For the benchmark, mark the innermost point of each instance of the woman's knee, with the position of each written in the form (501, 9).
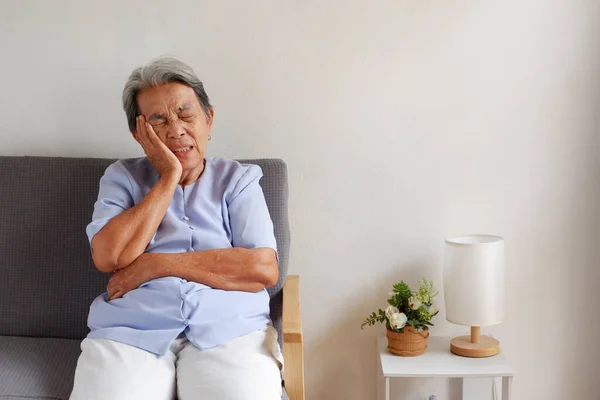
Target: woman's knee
(245, 368)
(111, 370)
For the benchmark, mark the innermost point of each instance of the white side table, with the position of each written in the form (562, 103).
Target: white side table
(439, 362)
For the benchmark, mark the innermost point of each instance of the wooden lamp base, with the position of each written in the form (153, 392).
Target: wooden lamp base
(475, 346)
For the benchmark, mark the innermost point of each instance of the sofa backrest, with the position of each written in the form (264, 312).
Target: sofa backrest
(47, 278)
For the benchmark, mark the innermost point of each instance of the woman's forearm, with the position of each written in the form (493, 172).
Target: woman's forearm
(227, 269)
(125, 237)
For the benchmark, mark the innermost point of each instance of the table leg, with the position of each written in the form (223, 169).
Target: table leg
(381, 381)
(506, 387)
(387, 388)
(456, 388)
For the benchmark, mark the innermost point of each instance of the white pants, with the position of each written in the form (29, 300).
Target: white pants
(246, 368)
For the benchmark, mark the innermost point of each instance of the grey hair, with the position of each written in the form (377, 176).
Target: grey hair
(161, 71)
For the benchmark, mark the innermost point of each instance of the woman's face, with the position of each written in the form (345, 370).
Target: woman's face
(176, 116)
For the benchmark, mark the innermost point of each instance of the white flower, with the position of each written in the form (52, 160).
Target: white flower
(433, 310)
(398, 321)
(391, 310)
(414, 303)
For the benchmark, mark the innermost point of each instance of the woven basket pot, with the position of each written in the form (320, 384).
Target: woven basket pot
(408, 343)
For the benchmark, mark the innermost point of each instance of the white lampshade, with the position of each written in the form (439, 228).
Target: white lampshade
(474, 280)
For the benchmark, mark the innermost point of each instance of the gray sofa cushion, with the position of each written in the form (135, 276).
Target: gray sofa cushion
(48, 279)
(37, 368)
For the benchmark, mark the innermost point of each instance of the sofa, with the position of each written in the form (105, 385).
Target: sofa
(48, 280)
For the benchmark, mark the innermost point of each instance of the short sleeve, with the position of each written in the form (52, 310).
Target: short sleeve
(114, 197)
(249, 218)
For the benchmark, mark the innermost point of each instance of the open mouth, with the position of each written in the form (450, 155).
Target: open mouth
(182, 151)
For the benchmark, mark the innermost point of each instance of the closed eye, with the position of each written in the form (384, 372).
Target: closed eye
(186, 117)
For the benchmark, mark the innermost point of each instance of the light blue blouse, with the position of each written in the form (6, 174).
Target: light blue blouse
(225, 208)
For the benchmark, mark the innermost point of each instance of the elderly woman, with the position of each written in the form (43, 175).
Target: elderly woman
(190, 245)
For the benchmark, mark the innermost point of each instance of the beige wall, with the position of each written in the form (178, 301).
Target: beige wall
(402, 122)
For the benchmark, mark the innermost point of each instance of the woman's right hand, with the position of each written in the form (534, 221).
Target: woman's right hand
(163, 159)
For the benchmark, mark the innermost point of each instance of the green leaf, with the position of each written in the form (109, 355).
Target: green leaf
(403, 290)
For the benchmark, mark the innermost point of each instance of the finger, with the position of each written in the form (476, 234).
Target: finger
(114, 290)
(138, 126)
(116, 295)
(142, 133)
(151, 134)
(110, 288)
(113, 285)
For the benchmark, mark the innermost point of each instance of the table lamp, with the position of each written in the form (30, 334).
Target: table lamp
(474, 290)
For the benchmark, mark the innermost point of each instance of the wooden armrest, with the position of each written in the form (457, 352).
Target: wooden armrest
(292, 317)
(292, 339)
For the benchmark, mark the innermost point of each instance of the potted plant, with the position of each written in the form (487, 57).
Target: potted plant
(407, 318)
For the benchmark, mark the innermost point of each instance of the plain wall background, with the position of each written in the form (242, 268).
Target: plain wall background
(402, 122)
